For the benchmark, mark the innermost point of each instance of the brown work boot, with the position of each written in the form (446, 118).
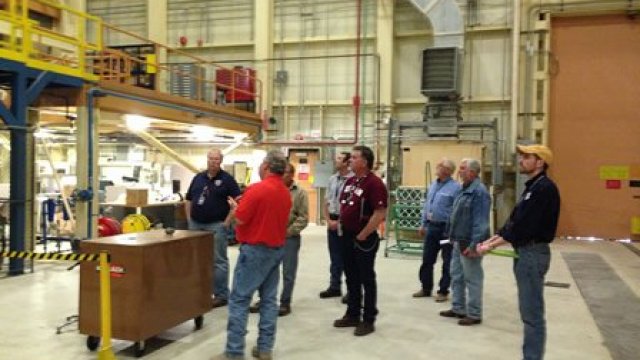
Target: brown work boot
(451, 314)
(329, 293)
(284, 310)
(346, 321)
(255, 308)
(421, 293)
(261, 355)
(364, 328)
(441, 297)
(467, 321)
(217, 302)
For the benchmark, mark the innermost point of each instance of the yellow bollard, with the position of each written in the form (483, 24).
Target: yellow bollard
(105, 352)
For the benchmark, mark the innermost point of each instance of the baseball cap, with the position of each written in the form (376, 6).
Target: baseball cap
(540, 151)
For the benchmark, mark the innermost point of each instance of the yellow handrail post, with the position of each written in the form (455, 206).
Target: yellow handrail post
(26, 30)
(80, 28)
(12, 37)
(105, 352)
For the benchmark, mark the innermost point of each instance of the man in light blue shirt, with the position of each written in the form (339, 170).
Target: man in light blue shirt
(436, 214)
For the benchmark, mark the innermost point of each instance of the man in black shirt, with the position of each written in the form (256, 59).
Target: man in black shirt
(530, 228)
(207, 209)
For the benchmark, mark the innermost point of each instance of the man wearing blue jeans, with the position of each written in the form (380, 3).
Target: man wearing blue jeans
(261, 225)
(435, 218)
(207, 209)
(469, 225)
(331, 210)
(298, 220)
(531, 227)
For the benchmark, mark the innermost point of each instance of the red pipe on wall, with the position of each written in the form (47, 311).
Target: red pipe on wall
(355, 100)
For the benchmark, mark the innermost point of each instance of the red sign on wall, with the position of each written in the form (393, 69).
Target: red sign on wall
(613, 184)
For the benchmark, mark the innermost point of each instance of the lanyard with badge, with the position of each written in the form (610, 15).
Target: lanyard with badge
(203, 195)
(527, 195)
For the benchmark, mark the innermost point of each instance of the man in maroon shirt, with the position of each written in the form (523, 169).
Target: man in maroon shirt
(363, 206)
(261, 226)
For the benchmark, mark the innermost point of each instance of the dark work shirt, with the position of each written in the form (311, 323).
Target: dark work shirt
(535, 217)
(360, 197)
(208, 196)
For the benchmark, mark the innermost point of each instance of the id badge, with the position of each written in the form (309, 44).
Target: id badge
(201, 200)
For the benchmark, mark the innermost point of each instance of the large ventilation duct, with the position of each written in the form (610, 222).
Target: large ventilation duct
(446, 21)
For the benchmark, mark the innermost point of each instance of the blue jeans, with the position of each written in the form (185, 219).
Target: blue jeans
(466, 276)
(431, 247)
(336, 268)
(289, 268)
(221, 262)
(257, 269)
(530, 268)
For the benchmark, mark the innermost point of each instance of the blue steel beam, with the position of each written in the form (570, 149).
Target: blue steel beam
(18, 190)
(22, 95)
(6, 115)
(36, 87)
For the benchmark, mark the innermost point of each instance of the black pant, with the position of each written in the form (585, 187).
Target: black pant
(435, 233)
(359, 261)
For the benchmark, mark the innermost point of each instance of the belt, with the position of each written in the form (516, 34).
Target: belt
(334, 216)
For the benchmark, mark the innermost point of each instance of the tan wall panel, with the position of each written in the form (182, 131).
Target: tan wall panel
(594, 121)
(416, 156)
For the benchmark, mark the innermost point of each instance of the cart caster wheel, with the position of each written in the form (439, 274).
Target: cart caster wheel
(93, 342)
(199, 320)
(139, 348)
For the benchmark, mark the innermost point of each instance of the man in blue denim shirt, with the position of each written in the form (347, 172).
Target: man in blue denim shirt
(469, 225)
(435, 217)
(530, 228)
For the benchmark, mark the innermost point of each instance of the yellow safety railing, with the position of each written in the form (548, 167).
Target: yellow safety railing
(25, 40)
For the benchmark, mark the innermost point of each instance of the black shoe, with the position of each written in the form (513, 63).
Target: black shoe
(346, 321)
(255, 308)
(365, 328)
(329, 293)
(345, 298)
(217, 302)
(451, 314)
(467, 321)
(284, 310)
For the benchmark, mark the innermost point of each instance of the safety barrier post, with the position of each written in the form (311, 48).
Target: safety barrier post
(105, 352)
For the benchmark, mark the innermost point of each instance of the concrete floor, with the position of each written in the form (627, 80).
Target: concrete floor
(34, 304)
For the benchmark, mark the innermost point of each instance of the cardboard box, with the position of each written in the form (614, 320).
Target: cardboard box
(137, 197)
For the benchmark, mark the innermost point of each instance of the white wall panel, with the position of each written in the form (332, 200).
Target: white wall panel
(487, 63)
(130, 15)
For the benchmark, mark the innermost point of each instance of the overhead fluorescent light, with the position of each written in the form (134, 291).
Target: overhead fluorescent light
(137, 122)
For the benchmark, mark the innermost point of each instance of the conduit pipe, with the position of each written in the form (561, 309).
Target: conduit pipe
(99, 92)
(356, 98)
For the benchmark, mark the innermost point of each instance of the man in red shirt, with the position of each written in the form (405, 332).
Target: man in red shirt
(363, 206)
(261, 226)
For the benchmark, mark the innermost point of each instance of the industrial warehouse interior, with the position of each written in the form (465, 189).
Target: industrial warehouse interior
(113, 109)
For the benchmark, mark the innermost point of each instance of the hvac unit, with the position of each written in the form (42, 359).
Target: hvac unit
(441, 72)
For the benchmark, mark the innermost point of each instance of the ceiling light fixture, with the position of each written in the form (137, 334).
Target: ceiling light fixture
(137, 122)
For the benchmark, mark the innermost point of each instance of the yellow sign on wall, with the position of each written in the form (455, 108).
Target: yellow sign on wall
(614, 172)
(635, 225)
